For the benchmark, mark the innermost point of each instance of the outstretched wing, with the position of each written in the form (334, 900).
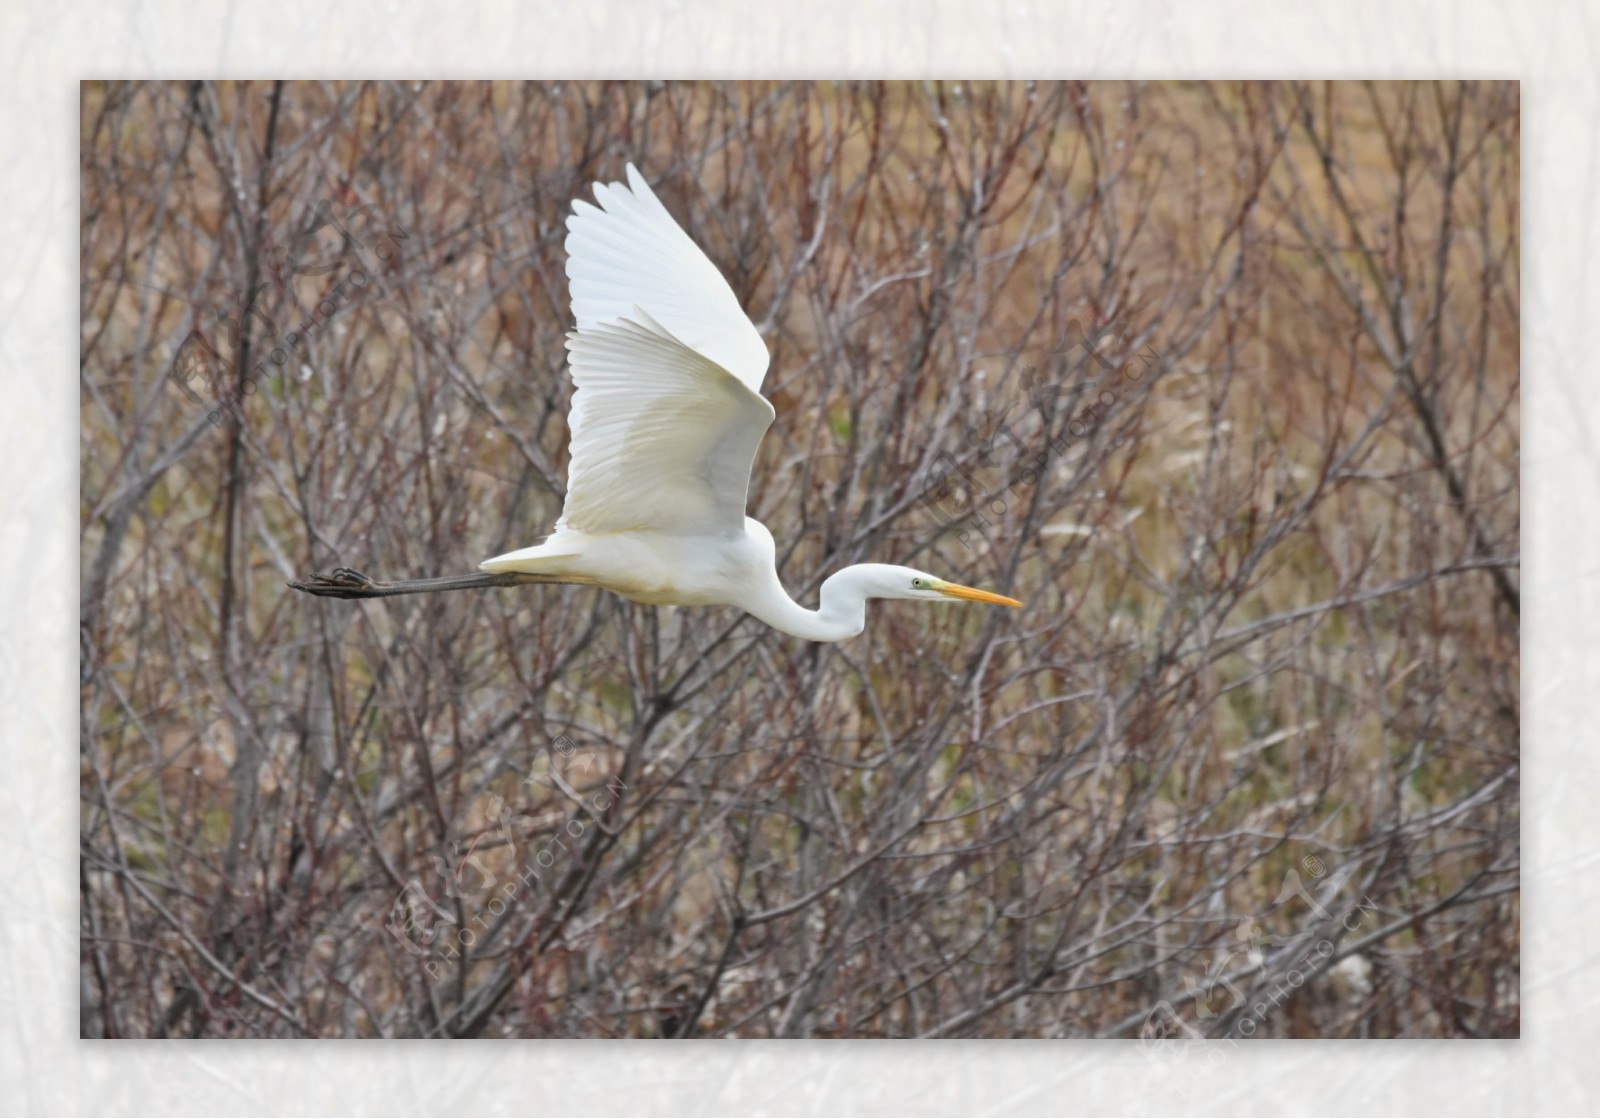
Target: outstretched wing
(668, 413)
(628, 253)
(662, 437)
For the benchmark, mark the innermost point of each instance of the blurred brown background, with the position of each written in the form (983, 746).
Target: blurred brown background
(1222, 380)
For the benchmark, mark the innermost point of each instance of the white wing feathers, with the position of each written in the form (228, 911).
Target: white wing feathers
(628, 253)
(668, 413)
(662, 438)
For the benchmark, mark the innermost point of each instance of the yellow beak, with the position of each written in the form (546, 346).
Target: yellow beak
(956, 590)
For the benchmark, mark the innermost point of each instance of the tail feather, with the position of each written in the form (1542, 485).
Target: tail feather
(541, 559)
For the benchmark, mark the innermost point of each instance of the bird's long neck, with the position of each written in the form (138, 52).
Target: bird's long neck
(843, 611)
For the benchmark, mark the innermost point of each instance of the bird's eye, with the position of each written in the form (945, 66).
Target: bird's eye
(916, 582)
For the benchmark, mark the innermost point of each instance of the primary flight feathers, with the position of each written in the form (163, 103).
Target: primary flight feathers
(629, 253)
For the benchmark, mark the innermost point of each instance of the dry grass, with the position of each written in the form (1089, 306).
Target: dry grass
(1247, 764)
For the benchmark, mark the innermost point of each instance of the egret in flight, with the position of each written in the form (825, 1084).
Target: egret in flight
(666, 418)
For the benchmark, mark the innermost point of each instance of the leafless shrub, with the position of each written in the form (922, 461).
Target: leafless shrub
(1221, 380)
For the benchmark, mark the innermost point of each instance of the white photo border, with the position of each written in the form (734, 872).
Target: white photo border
(1554, 49)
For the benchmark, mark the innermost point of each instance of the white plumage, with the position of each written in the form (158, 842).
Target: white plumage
(666, 418)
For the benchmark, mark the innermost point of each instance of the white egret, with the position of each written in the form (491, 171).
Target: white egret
(665, 422)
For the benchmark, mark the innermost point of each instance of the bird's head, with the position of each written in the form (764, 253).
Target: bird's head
(887, 580)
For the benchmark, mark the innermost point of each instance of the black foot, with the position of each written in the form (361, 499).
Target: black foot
(341, 582)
